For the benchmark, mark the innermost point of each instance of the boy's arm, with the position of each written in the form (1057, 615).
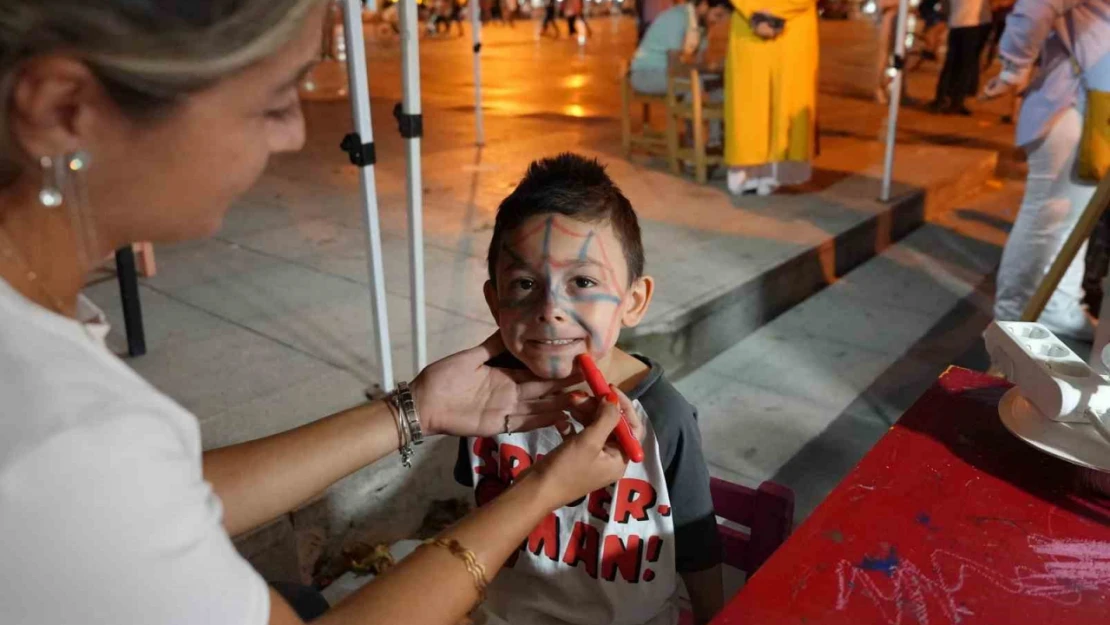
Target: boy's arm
(697, 544)
(707, 594)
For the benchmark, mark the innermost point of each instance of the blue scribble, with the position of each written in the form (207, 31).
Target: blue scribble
(886, 565)
(596, 297)
(582, 253)
(595, 338)
(923, 519)
(547, 237)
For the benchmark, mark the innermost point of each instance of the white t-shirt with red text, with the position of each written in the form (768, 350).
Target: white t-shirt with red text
(610, 557)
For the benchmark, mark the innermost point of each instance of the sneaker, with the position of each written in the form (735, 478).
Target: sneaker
(765, 186)
(937, 106)
(737, 181)
(960, 109)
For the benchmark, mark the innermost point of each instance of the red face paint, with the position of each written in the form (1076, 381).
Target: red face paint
(623, 432)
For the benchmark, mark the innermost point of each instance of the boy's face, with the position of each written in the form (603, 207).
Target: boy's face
(562, 289)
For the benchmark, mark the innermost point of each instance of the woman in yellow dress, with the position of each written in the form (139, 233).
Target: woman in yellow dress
(770, 94)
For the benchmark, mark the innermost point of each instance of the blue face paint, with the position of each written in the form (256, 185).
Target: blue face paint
(582, 253)
(595, 338)
(596, 297)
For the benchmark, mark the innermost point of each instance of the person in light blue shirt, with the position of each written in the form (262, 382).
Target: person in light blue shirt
(1072, 40)
(680, 28)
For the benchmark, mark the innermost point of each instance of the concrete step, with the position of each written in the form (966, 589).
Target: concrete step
(803, 398)
(837, 225)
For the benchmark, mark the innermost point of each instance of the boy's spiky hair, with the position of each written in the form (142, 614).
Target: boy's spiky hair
(577, 187)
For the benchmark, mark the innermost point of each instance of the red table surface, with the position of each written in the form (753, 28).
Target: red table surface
(949, 519)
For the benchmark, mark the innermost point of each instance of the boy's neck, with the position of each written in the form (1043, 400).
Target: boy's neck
(623, 370)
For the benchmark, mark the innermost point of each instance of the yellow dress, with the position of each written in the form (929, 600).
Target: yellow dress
(771, 86)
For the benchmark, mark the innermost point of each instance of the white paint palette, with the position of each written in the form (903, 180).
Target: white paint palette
(1052, 377)
(1077, 443)
(1060, 403)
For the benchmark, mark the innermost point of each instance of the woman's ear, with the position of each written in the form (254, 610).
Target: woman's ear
(490, 291)
(639, 298)
(53, 102)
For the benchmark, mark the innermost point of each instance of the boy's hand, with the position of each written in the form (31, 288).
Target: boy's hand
(461, 395)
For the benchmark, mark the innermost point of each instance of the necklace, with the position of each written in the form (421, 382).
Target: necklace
(9, 253)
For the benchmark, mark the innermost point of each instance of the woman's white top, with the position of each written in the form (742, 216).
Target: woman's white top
(105, 516)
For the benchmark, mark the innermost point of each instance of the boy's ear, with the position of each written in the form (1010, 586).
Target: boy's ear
(639, 296)
(490, 291)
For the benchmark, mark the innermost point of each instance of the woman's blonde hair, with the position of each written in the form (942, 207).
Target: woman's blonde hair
(148, 53)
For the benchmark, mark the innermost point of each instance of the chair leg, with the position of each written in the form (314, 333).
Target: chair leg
(129, 294)
(700, 166)
(144, 257)
(672, 142)
(626, 117)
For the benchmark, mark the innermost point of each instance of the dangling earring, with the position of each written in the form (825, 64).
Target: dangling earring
(50, 195)
(72, 170)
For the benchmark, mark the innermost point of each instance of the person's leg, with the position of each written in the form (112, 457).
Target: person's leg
(982, 36)
(1048, 213)
(944, 83)
(961, 51)
(1096, 264)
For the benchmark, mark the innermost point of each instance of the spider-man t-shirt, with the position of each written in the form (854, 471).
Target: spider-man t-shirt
(614, 555)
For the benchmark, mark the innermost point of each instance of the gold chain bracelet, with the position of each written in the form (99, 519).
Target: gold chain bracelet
(477, 571)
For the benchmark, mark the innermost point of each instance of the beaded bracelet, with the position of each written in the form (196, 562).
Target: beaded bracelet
(477, 571)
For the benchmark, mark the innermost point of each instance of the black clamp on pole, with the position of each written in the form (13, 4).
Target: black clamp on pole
(477, 47)
(899, 62)
(411, 126)
(361, 154)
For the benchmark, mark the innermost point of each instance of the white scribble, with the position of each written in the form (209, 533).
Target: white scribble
(1070, 567)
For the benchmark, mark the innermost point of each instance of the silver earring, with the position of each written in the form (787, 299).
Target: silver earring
(77, 161)
(50, 195)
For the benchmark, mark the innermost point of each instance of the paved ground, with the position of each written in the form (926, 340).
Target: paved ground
(267, 326)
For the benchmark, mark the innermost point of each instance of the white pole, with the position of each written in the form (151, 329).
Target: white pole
(360, 112)
(412, 128)
(895, 97)
(476, 37)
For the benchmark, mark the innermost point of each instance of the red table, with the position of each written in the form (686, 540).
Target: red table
(949, 519)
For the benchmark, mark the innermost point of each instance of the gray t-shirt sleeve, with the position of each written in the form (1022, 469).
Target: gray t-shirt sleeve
(697, 544)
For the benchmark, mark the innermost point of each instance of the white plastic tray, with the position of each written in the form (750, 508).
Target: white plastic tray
(1077, 443)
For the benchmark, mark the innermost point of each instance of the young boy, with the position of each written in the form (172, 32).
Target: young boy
(566, 273)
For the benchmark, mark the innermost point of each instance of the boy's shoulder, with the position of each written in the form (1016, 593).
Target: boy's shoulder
(665, 406)
(673, 419)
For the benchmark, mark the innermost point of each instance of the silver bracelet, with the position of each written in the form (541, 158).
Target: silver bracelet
(408, 422)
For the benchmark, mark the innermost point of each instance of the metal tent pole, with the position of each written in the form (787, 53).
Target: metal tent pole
(895, 97)
(476, 37)
(359, 145)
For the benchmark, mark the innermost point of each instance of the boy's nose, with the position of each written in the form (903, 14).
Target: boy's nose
(551, 311)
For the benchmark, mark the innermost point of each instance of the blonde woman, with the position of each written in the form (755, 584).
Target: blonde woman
(130, 120)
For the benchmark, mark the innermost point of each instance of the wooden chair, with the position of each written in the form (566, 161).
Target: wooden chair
(767, 512)
(687, 102)
(650, 141)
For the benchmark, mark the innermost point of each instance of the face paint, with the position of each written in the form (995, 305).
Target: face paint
(558, 294)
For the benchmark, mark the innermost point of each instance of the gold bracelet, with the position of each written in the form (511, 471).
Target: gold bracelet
(477, 571)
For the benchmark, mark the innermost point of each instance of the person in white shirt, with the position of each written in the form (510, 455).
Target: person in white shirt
(130, 120)
(969, 27)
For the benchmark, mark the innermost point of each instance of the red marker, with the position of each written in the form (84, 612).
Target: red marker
(625, 438)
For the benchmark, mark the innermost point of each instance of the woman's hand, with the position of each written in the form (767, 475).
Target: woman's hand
(762, 28)
(1012, 79)
(590, 459)
(461, 395)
